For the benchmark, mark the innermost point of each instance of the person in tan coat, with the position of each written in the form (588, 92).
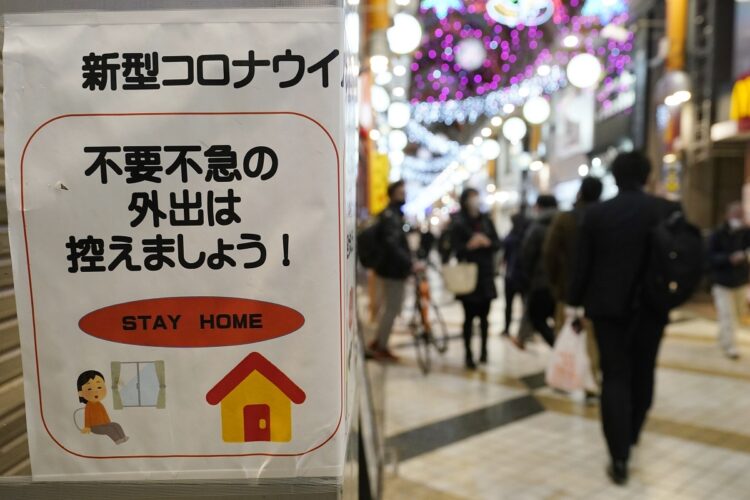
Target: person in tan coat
(558, 254)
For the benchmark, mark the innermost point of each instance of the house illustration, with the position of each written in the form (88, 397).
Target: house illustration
(256, 402)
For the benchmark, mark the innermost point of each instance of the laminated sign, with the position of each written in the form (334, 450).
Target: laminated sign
(177, 196)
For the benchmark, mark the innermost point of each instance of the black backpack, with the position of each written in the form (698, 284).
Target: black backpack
(675, 263)
(369, 245)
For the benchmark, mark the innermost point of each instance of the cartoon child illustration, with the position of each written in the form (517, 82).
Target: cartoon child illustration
(92, 390)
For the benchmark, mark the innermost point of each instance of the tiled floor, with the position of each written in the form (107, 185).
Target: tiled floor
(556, 456)
(408, 405)
(713, 401)
(499, 433)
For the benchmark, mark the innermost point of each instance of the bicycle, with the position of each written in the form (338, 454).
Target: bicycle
(428, 330)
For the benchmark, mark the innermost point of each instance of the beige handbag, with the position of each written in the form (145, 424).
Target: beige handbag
(460, 277)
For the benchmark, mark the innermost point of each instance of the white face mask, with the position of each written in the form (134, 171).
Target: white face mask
(473, 204)
(735, 224)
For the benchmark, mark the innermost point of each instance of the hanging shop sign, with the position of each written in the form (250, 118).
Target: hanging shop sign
(178, 215)
(574, 123)
(740, 104)
(378, 181)
(672, 179)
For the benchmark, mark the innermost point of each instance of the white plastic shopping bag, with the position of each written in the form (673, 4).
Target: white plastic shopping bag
(569, 368)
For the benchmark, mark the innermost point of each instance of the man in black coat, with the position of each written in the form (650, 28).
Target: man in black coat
(609, 273)
(393, 268)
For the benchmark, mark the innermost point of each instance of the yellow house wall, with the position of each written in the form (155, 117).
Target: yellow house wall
(256, 389)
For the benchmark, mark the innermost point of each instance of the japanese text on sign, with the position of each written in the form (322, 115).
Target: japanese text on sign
(140, 164)
(140, 71)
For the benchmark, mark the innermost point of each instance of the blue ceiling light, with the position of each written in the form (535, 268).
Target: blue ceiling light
(605, 10)
(441, 7)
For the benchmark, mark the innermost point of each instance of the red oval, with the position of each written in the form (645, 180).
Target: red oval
(192, 322)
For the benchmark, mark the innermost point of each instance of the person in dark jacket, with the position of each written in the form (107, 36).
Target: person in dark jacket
(559, 246)
(392, 270)
(474, 239)
(559, 257)
(730, 271)
(611, 258)
(515, 281)
(427, 242)
(540, 304)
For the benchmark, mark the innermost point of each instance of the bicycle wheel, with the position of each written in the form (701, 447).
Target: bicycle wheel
(439, 330)
(422, 345)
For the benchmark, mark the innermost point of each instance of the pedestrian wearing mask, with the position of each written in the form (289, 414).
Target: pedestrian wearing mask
(392, 270)
(474, 239)
(731, 273)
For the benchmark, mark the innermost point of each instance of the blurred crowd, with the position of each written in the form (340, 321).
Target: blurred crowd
(604, 276)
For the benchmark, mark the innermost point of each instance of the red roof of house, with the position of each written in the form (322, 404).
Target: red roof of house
(252, 362)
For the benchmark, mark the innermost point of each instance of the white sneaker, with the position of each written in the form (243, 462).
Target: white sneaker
(732, 353)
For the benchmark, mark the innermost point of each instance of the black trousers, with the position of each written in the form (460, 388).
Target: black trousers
(510, 294)
(476, 309)
(541, 309)
(628, 349)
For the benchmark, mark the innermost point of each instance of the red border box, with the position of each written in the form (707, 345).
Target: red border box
(31, 289)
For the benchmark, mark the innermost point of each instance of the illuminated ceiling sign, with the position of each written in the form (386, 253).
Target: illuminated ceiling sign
(527, 12)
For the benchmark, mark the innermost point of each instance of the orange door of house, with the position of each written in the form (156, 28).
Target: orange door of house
(257, 423)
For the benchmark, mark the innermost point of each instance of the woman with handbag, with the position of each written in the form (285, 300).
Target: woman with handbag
(474, 240)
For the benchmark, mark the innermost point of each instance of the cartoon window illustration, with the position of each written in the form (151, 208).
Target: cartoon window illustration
(138, 384)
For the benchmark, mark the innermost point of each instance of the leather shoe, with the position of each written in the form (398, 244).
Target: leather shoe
(618, 472)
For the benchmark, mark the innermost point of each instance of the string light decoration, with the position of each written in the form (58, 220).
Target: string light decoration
(438, 144)
(616, 95)
(473, 158)
(470, 54)
(426, 169)
(512, 53)
(537, 110)
(584, 70)
(398, 114)
(521, 63)
(515, 129)
(473, 108)
(438, 74)
(405, 34)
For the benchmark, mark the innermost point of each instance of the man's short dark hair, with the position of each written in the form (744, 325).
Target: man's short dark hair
(546, 201)
(631, 170)
(393, 186)
(591, 189)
